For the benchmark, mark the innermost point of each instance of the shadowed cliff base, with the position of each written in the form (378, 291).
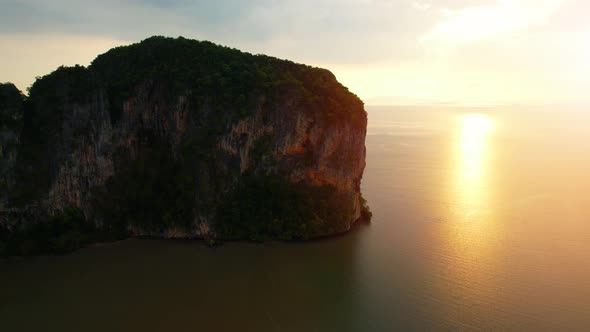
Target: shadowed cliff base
(178, 138)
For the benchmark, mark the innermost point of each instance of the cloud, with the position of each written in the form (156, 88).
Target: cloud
(472, 24)
(421, 5)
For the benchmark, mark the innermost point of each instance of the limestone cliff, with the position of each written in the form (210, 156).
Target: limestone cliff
(179, 138)
(11, 111)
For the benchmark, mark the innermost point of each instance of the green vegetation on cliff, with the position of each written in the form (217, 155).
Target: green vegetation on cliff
(221, 76)
(153, 192)
(61, 233)
(11, 100)
(263, 207)
(11, 113)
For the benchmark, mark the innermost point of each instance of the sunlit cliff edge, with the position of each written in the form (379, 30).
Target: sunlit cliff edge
(178, 138)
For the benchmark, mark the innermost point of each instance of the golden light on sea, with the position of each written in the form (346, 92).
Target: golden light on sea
(471, 181)
(475, 129)
(471, 227)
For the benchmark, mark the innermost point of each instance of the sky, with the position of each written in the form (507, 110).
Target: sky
(389, 52)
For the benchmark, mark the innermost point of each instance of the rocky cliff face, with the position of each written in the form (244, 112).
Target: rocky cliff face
(222, 144)
(11, 112)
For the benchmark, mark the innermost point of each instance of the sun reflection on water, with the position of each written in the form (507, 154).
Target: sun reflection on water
(472, 227)
(472, 172)
(472, 231)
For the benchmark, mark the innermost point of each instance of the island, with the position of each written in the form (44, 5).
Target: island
(178, 138)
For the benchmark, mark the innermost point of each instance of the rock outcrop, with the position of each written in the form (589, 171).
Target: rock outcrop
(179, 138)
(11, 113)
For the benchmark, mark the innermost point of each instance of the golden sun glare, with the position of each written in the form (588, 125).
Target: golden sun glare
(474, 131)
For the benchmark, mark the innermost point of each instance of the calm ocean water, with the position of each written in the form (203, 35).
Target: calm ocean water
(481, 222)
